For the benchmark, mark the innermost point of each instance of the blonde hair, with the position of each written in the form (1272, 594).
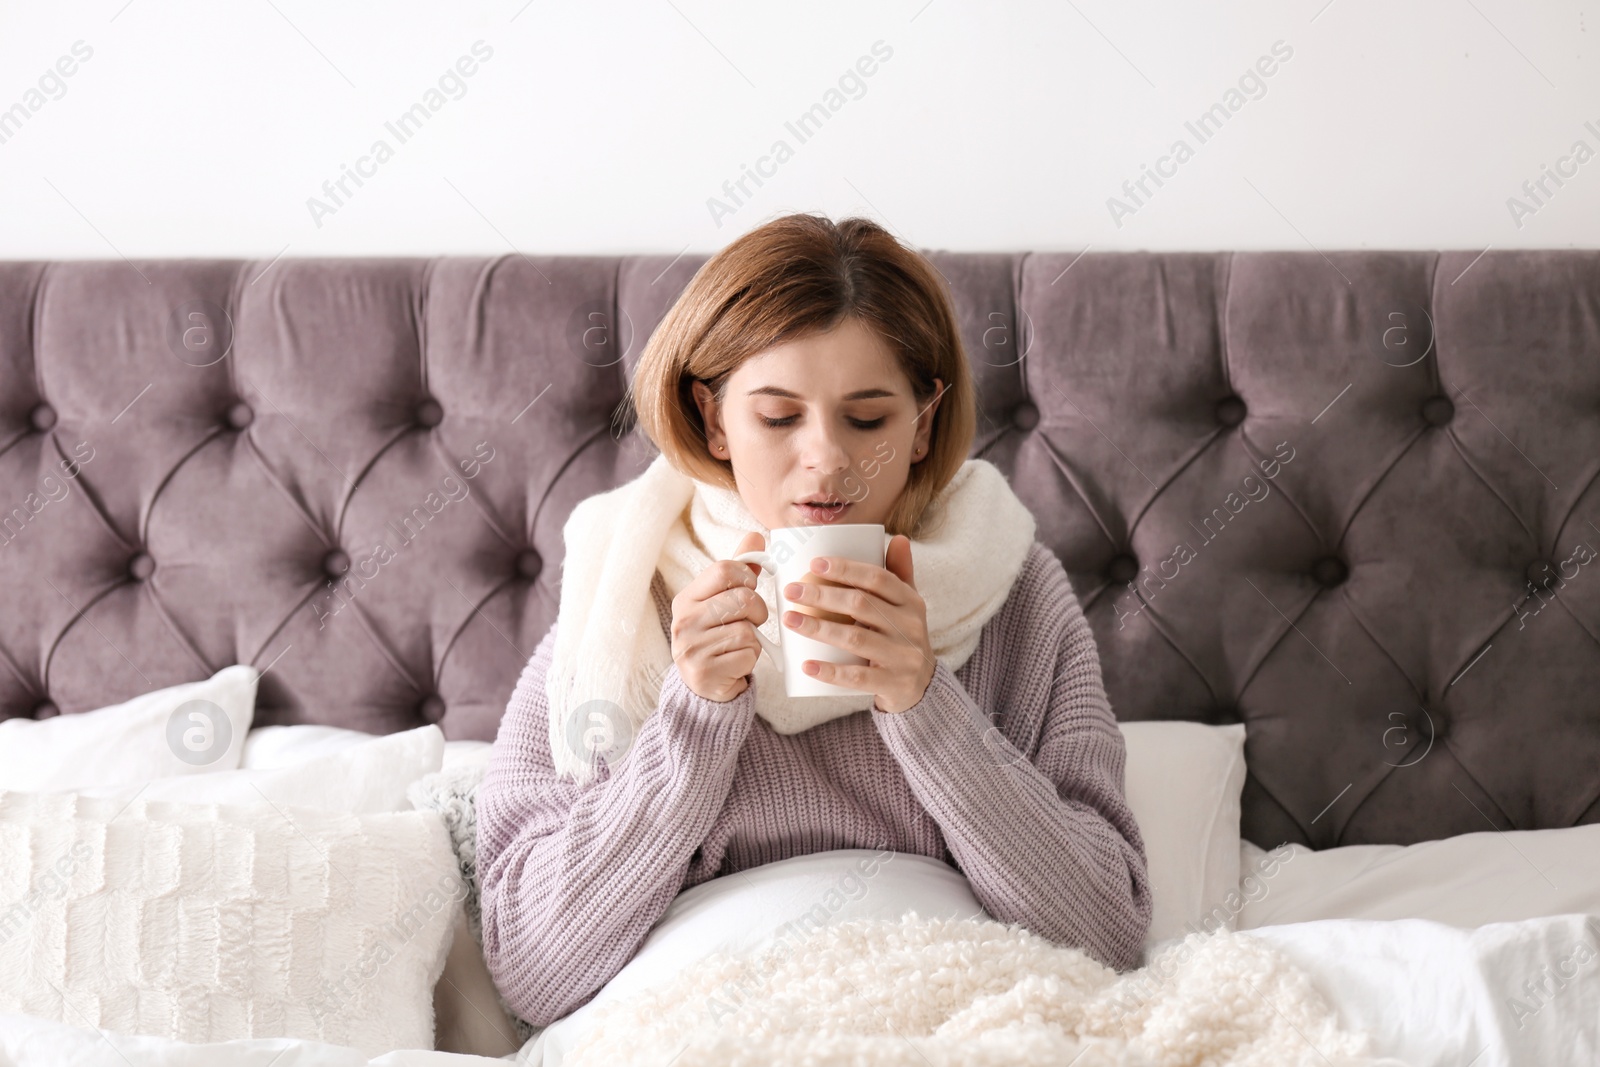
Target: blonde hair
(795, 276)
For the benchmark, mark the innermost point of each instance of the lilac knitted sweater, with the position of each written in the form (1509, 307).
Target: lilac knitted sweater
(1010, 769)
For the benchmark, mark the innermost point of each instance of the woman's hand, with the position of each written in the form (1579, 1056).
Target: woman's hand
(714, 620)
(890, 630)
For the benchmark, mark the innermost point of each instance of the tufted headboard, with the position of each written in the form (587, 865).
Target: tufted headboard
(1351, 500)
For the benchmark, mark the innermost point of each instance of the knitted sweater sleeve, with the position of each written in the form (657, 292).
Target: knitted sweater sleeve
(572, 877)
(1034, 812)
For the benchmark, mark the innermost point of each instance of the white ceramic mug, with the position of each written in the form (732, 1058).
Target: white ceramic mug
(788, 559)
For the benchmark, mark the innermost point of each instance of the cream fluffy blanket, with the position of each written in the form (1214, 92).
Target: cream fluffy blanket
(936, 992)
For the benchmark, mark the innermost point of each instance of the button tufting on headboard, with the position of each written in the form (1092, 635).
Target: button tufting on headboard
(1542, 573)
(1230, 411)
(1329, 571)
(429, 412)
(529, 564)
(1438, 410)
(42, 417)
(1412, 735)
(1122, 569)
(1225, 715)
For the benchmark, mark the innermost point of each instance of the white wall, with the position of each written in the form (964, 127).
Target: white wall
(203, 128)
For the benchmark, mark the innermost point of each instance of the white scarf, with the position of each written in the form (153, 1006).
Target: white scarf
(978, 536)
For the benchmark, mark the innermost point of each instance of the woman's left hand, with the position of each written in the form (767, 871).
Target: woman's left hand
(890, 630)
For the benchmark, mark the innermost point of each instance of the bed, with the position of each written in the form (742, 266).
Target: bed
(1336, 512)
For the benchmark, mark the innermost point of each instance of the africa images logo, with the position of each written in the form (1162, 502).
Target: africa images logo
(199, 732)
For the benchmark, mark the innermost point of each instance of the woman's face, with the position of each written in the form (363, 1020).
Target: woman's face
(828, 418)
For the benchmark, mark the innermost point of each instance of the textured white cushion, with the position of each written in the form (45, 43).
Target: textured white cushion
(133, 742)
(203, 922)
(367, 777)
(1183, 782)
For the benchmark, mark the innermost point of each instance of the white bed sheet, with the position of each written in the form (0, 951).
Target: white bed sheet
(1494, 876)
(1517, 994)
(29, 1042)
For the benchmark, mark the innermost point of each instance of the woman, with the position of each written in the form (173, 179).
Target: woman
(810, 373)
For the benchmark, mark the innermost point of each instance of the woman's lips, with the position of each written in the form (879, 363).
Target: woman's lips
(823, 514)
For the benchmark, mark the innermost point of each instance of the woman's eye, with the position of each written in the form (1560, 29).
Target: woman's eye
(859, 424)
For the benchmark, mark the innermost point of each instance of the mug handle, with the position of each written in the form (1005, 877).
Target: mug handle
(764, 560)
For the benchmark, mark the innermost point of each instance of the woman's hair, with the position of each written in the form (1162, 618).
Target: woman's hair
(790, 278)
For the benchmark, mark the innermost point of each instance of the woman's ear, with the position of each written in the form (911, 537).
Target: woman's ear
(711, 418)
(924, 431)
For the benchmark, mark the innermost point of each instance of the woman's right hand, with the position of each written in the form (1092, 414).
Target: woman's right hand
(714, 620)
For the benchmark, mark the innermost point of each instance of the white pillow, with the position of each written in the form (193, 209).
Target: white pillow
(1183, 781)
(203, 922)
(1469, 880)
(270, 747)
(767, 904)
(462, 753)
(181, 730)
(367, 777)
(288, 746)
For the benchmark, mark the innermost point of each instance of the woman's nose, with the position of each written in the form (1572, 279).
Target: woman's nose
(824, 452)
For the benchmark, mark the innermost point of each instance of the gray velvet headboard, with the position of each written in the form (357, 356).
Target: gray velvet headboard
(1351, 500)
